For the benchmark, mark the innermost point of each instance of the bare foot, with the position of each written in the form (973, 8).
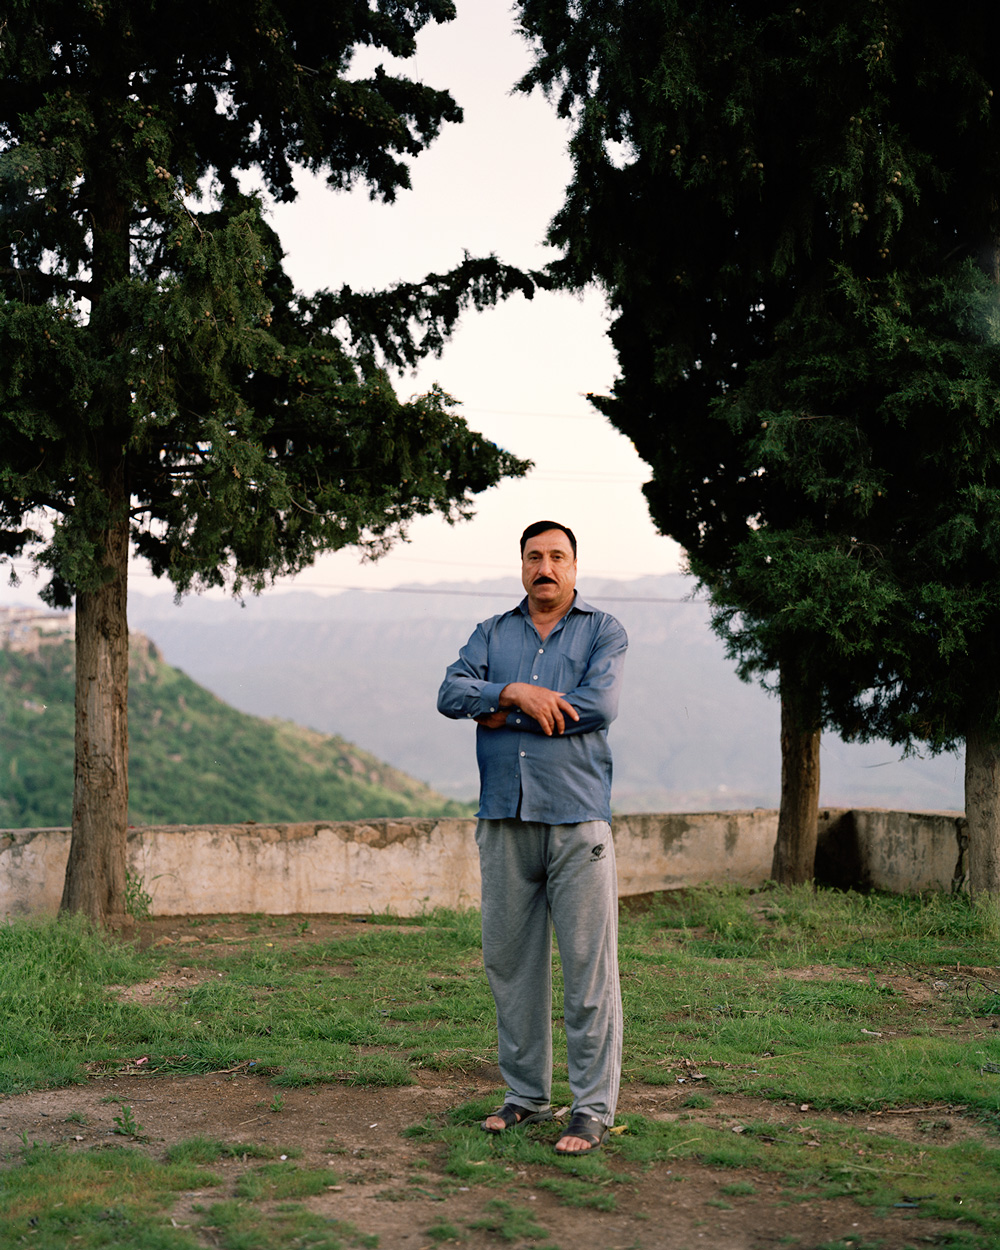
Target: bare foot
(582, 1134)
(511, 1115)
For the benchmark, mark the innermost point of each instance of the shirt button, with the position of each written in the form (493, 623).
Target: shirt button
(534, 676)
(517, 720)
(541, 650)
(522, 755)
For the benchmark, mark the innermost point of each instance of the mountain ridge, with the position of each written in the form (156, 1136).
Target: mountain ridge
(690, 736)
(193, 758)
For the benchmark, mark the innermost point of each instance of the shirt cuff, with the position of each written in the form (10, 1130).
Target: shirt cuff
(489, 698)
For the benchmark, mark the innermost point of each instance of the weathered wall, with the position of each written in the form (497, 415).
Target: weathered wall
(900, 852)
(409, 866)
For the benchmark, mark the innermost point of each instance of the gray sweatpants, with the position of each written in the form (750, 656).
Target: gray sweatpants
(536, 877)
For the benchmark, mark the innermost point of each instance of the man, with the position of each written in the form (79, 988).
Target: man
(542, 682)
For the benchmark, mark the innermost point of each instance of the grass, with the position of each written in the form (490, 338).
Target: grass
(708, 976)
(714, 977)
(52, 1198)
(791, 996)
(508, 1222)
(88, 1199)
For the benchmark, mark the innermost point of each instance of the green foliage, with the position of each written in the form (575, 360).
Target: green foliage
(96, 1198)
(163, 388)
(203, 1151)
(105, 1197)
(138, 901)
(51, 977)
(192, 759)
(274, 1010)
(126, 1125)
(238, 1225)
(801, 1006)
(793, 214)
(821, 961)
(283, 1180)
(443, 1232)
(508, 1222)
(36, 710)
(146, 321)
(812, 1017)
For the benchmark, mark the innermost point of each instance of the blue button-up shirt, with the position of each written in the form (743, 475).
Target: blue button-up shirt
(559, 780)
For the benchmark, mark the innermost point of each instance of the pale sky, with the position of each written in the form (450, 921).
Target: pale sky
(520, 371)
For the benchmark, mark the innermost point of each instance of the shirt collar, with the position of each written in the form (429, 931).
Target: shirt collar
(578, 605)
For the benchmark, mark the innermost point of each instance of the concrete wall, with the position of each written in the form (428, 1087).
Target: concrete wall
(899, 852)
(409, 866)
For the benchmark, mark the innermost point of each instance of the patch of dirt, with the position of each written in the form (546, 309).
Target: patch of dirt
(395, 1187)
(391, 1186)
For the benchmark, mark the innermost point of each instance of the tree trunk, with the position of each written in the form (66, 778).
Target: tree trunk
(95, 874)
(982, 750)
(798, 820)
(982, 811)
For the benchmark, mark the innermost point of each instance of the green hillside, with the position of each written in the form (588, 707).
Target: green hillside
(193, 759)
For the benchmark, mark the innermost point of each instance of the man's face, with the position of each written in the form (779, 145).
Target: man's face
(548, 570)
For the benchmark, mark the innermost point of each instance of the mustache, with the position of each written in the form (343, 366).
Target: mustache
(544, 580)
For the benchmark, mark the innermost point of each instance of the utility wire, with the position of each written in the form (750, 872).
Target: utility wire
(490, 594)
(555, 416)
(447, 593)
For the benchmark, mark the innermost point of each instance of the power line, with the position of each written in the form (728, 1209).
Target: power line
(510, 412)
(588, 478)
(455, 593)
(489, 594)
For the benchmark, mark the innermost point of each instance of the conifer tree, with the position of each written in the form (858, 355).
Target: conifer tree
(793, 211)
(163, 388)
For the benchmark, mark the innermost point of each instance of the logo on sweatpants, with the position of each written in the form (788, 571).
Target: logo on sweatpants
(597, 852)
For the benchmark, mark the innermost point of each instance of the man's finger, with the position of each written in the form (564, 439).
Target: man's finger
(569, 708)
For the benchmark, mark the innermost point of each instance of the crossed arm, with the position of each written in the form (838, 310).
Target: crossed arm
(591, 703)
(548, 707)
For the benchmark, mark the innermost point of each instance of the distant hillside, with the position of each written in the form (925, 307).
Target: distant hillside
(194, 760)
(689, 737)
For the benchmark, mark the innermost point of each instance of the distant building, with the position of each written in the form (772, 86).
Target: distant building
(28, 629)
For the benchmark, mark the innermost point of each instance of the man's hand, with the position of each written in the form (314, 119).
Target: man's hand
(548, 707)
(495, 720)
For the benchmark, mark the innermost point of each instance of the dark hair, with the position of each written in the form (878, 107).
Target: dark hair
(540, 527)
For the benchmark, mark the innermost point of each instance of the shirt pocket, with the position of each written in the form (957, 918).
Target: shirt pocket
(569, 657)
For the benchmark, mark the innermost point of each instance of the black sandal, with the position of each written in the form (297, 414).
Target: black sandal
(588, 1129)
(514, 1116)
